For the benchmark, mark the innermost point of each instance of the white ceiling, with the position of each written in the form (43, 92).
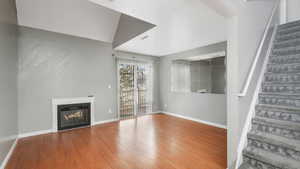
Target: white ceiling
(181, 24)
(74, 17)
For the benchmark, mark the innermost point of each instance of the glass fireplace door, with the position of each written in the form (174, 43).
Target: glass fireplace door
(135, 89)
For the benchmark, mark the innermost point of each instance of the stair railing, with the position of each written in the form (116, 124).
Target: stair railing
(247, 126)
(258, 53)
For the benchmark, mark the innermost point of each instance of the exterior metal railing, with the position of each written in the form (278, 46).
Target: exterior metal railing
(127, 103)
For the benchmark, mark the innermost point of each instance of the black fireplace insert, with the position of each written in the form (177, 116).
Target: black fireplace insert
(73, 116)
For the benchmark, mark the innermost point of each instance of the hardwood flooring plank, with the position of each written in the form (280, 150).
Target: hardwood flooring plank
(148, 142)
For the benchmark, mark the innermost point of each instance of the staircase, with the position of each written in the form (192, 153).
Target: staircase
(274, 140)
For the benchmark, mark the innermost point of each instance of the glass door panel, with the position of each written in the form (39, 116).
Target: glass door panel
(144, 88)
(135, 89)
(126, 105)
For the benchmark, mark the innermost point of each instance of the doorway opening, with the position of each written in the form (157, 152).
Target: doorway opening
(134, 88)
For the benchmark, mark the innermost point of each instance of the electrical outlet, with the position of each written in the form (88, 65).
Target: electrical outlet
(166, 105)
(109, 111)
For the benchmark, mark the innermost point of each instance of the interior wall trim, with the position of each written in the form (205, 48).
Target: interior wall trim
(12, 148)
(106, 121)
(41, 132)
(196, 120)
(35, 133)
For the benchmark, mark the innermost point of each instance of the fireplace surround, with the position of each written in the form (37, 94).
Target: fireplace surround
(70, 113)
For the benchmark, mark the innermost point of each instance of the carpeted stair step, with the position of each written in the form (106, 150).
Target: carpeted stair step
(282, 128)
(285, 31)
(286, 44)
(287, 37)
(246, 166)
(289, 24)
(281, 146)
(284, 68)
(292, 100)
(274, 139)
(282, 77)
(267, 160)
(278, 113)
(294, 50)
(285, 59)
(291, 88)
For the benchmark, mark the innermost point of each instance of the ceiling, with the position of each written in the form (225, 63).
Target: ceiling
(73, 17)
(180, 24)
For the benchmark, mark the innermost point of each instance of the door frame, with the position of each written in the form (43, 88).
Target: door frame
(135, 63)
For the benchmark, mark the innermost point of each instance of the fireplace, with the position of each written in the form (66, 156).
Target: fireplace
(73, 115)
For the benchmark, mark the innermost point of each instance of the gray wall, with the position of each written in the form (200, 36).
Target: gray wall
(194, 105)
(8, 76)
(293, 12)
(53, 65)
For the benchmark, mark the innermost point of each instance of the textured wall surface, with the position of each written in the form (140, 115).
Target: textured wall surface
(8, 76)
(194, 105)
(53, 65)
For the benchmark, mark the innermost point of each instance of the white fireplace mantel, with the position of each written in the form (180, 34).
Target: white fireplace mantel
(63, 101)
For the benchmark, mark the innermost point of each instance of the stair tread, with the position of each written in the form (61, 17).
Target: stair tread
(289, 24)
(282, 95)
(281, 108)
(287, 48)
(282, 73)
(283, 38)
(246, 166)
(279, 123)
(270, 158)
(286, 56)
(288, 108)
(286, 41)
(286, 30)
(283, 64)
(274, 139)
(281, 83)
(288, 95)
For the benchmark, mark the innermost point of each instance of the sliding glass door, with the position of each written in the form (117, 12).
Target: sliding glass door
(135, 88)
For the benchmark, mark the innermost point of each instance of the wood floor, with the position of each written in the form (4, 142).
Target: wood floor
(148, 142)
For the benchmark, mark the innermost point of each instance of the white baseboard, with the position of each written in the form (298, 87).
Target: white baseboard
(105, 121)
(6, 159)
(35, 133)
(196, 120)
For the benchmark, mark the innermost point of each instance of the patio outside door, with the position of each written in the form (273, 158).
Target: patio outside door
(135, 88)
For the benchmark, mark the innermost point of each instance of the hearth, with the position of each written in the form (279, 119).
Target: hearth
(73, 116)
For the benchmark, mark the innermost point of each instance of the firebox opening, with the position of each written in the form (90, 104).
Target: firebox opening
(73, 116)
